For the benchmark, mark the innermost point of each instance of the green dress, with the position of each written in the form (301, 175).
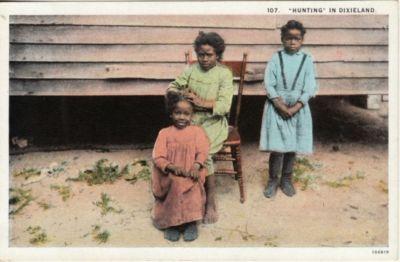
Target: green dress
(214, 84)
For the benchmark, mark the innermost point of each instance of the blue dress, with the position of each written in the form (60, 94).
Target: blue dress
(294, 134)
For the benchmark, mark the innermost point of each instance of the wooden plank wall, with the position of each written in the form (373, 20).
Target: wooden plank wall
(139, 55)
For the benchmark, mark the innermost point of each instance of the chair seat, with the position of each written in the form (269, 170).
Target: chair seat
(233, 137)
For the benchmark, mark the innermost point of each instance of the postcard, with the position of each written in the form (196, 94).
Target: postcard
(199, 130)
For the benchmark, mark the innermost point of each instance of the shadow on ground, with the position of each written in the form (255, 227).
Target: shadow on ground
(79, 122)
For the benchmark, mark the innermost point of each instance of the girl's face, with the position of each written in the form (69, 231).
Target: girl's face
(206, 57)
(292, 41)
(182, 114)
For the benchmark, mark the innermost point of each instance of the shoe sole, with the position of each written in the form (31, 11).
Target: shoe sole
(274, 194)
(189, 239)
(270, 196)
(172, 240)
(287, 194)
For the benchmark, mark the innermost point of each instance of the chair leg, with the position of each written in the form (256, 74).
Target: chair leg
(235, 162)
(239, 173)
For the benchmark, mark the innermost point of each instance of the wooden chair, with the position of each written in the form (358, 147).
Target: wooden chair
(231, 148)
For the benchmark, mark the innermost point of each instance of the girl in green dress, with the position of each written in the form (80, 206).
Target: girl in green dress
(287, 124)
(209, 86)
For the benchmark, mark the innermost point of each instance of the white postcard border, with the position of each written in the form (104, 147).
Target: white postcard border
(185, 8)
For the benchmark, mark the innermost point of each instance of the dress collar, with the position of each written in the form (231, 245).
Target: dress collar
(202, 70)
(297, 53)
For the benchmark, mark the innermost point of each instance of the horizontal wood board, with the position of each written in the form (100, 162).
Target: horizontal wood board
(138, 55)
(158, 87)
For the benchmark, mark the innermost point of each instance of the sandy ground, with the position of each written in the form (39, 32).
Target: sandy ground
(344, 204)
(321, 215)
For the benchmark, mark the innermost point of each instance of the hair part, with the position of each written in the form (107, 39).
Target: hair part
(292, 24)
(172, 99)
(212, 39)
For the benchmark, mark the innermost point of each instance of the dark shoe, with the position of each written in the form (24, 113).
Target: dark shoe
(190, 232)
(272, 186)
(172, 234)
(287, 186)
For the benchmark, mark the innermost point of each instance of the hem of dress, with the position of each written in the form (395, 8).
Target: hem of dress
(174, 224)
(280, 151)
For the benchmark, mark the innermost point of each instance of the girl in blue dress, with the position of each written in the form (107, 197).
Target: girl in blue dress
(287, 124)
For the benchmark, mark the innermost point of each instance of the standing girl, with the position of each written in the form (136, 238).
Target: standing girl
(178, 176)
(287, 124)
(209, 86)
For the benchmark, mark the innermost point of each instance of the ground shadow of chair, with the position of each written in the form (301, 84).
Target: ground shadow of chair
(231, 150)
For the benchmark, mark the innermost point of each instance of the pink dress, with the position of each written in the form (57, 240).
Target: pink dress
(178, 200)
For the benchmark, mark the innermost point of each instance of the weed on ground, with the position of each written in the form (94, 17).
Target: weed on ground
(27, 173)
(102, 172)
(139, 169)
(104, 205)
(302, 170)
(383, 186)
(55, 169)
(63, 191)
(19, 199)
(100, 237)
(38, 234)
(346, 180)
(44, 205)
(105, 172)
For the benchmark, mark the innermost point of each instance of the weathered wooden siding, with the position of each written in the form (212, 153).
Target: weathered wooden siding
(139, 55)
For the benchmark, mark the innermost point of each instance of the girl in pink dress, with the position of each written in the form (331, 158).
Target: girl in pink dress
(179, 173)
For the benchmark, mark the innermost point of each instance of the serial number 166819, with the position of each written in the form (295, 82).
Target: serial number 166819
(380, 251)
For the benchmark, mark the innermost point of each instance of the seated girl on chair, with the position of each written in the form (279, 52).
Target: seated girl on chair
(208, 85)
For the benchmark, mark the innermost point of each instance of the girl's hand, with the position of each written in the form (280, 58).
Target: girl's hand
(282, 108)
(194, 174)
(296, 108)
(197, 101)
(193, 98)
(176, 170)
(285, 113)
(194, 171)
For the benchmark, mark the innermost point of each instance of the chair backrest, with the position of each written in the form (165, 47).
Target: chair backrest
(238, 70)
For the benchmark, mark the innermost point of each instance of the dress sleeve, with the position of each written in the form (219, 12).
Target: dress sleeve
(181, 82)
(202, 146)
(160, 151)
(310, 84)
(271, 79)
(223, 101)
